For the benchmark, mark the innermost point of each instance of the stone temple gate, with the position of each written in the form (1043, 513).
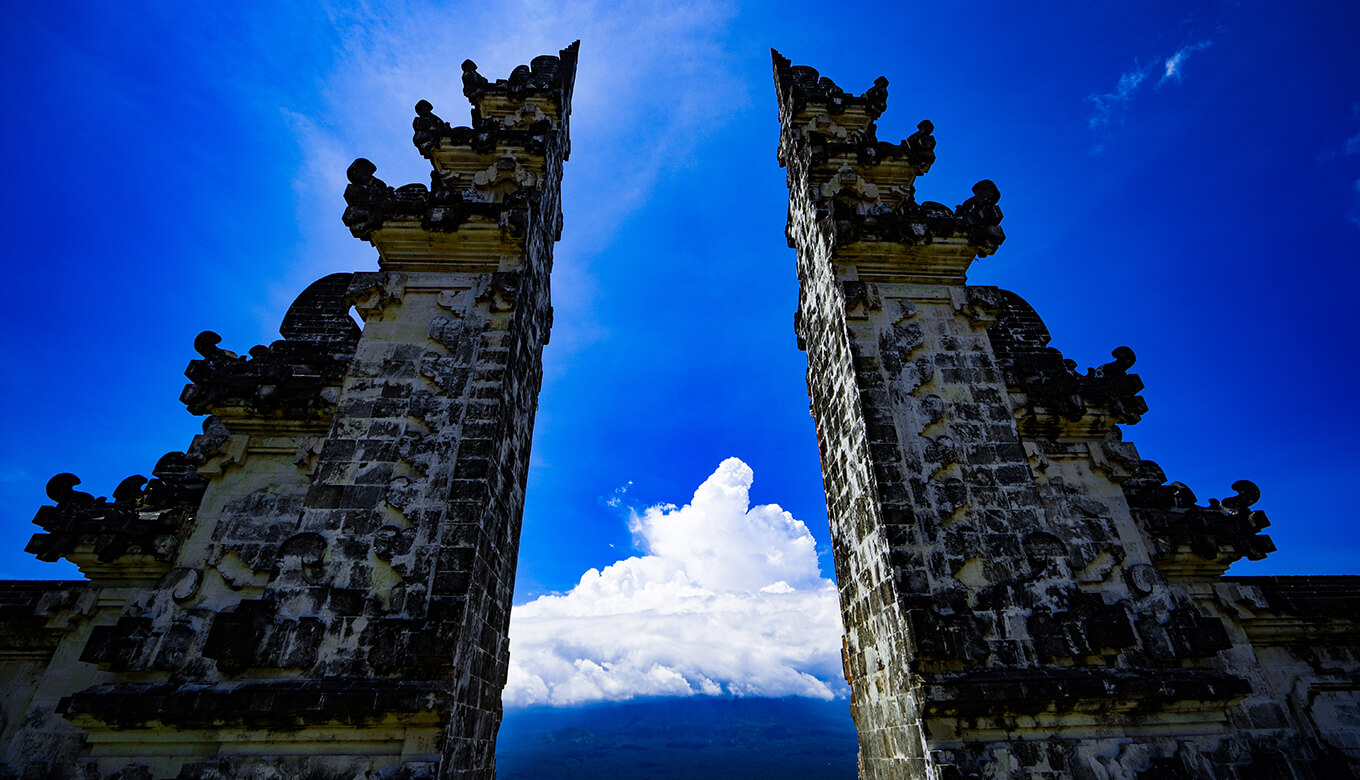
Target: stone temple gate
(320, 585)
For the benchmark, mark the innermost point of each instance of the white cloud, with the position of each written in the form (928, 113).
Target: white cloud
(728, 601)
(1108, 102)
(616, 500)
(1174, 62)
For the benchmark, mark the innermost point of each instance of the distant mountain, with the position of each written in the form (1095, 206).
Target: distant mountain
(665, 739)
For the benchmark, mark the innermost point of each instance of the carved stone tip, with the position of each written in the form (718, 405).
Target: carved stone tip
(360, 170)
(1247, 494)
(469, 66)
(206, 343)
(986, 190)
(1124, 357)
(424, 107)
(59, 487)
(130, 489)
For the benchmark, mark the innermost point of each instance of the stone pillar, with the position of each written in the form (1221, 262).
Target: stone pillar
(321, 586)
(1021, 594)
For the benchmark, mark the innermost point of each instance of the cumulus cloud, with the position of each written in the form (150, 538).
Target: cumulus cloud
(728, 600)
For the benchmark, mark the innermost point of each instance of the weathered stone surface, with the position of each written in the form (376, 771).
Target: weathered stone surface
(321, 588)
(1022, 595)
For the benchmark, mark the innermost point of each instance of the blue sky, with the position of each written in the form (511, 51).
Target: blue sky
(1183, 178)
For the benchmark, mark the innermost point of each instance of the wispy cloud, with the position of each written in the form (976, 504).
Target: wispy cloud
(653, 79)
(616, 500)
(1108, 103)
(1348, 148)
(14, 475)
(728, 601)
(1174, 63)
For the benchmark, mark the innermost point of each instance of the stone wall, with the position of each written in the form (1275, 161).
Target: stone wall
(1022, 594)
(321, 585)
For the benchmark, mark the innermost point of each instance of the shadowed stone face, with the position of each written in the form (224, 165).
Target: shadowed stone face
(1022, 595)
(321, 586)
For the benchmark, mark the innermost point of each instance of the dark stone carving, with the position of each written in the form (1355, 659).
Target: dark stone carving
(853, 217)
(251, 636)
(1048, 380)
(1034, 690)
(876, 97)
(265, 704)
(368, 198)
(371, 203)
(1331, 598)
(861, 298)
(916, 224)
(921, 145)
(139, 521)
(801, 85)
(336, 592)
(175, 482)
(979, 541)
(1186, 534)
(391, 542)
(983, 216)
(545, 77)
(428, 126)
(907, 223)
(297, 377)
(474, 83)
(310, 550)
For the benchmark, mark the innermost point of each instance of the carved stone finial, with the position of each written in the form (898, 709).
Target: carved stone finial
(876, 97)
(1124, 358)
(983, 216)
(426, 125)
(921, 145)
(206, 343)
(1247, 494)
(474, 83)
(361, 171)
(366, 197)
(982, 208)
(320, 313)
(129, 490)
(61, 489)
(294, 377)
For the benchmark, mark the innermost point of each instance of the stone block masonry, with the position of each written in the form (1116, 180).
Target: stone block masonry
(1023, 595)
(321, 586)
